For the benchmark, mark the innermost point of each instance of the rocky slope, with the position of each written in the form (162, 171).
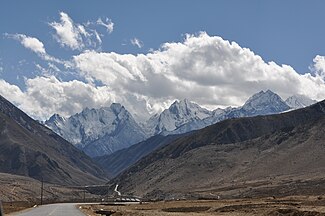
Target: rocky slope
(117, 162)
(271, 149)
(30, 149)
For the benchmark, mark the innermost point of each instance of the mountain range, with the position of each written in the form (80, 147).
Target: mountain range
(262, 103)
(28, 148)
(191, 150)
(272, 155)
(106, 130)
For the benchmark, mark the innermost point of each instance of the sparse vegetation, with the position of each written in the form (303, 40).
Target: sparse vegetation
(286, 206)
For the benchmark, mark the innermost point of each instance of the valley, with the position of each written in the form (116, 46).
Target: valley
(18, 193)
(239, 158)
(167, 108)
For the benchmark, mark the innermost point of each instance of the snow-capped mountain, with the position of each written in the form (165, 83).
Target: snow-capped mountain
(99, 131)
(178, 114)
(103, 131)
(261, 103)
(299, 101)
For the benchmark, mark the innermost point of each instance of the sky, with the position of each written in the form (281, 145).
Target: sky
(63, 56)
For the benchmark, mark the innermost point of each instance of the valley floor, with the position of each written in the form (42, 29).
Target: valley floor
(20, 192)
(287, 206)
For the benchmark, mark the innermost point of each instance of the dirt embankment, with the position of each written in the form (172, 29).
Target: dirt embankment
(288, 206)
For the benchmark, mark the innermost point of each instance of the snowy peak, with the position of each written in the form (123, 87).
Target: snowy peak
(262, 98)
(56, 119)
(263, 103)
(99, 131)
(102, 116)
(121, 112)
(187, 108)
(56, 122)
(299, 101)
(183, 116)
(117, 108)
(178, 114)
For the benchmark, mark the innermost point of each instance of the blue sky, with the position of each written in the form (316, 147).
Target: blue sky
(285, 32)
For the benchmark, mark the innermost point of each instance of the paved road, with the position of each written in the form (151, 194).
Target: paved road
(60, 209)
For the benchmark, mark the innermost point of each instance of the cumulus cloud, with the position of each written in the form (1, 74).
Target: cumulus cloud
(31, 43)
(47, 95)
(319, 66)
(136, 42)
(11, 92)
(205, 69)
(108, 24)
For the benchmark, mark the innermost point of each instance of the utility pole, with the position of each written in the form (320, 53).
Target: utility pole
(42, 187)
(107, 192)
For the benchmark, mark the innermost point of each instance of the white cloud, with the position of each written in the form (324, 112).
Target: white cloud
(208, 70)
(78, 36)
(109, 25)
(319, 66)
(136, 42)
(31, 43)
(112, 67)
(205, 69)
(47, 95)
(34, 45)
(97, 36)
(50, 70)
(67, 34)
(11, 92)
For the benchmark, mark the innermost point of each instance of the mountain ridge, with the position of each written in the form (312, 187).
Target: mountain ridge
(186, 163)
(98, 133)
(263, 102)
(30, 149)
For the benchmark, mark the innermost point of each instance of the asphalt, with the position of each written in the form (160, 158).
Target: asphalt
(59, 209)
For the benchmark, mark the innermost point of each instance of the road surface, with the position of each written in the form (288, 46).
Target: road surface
(59, 209)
